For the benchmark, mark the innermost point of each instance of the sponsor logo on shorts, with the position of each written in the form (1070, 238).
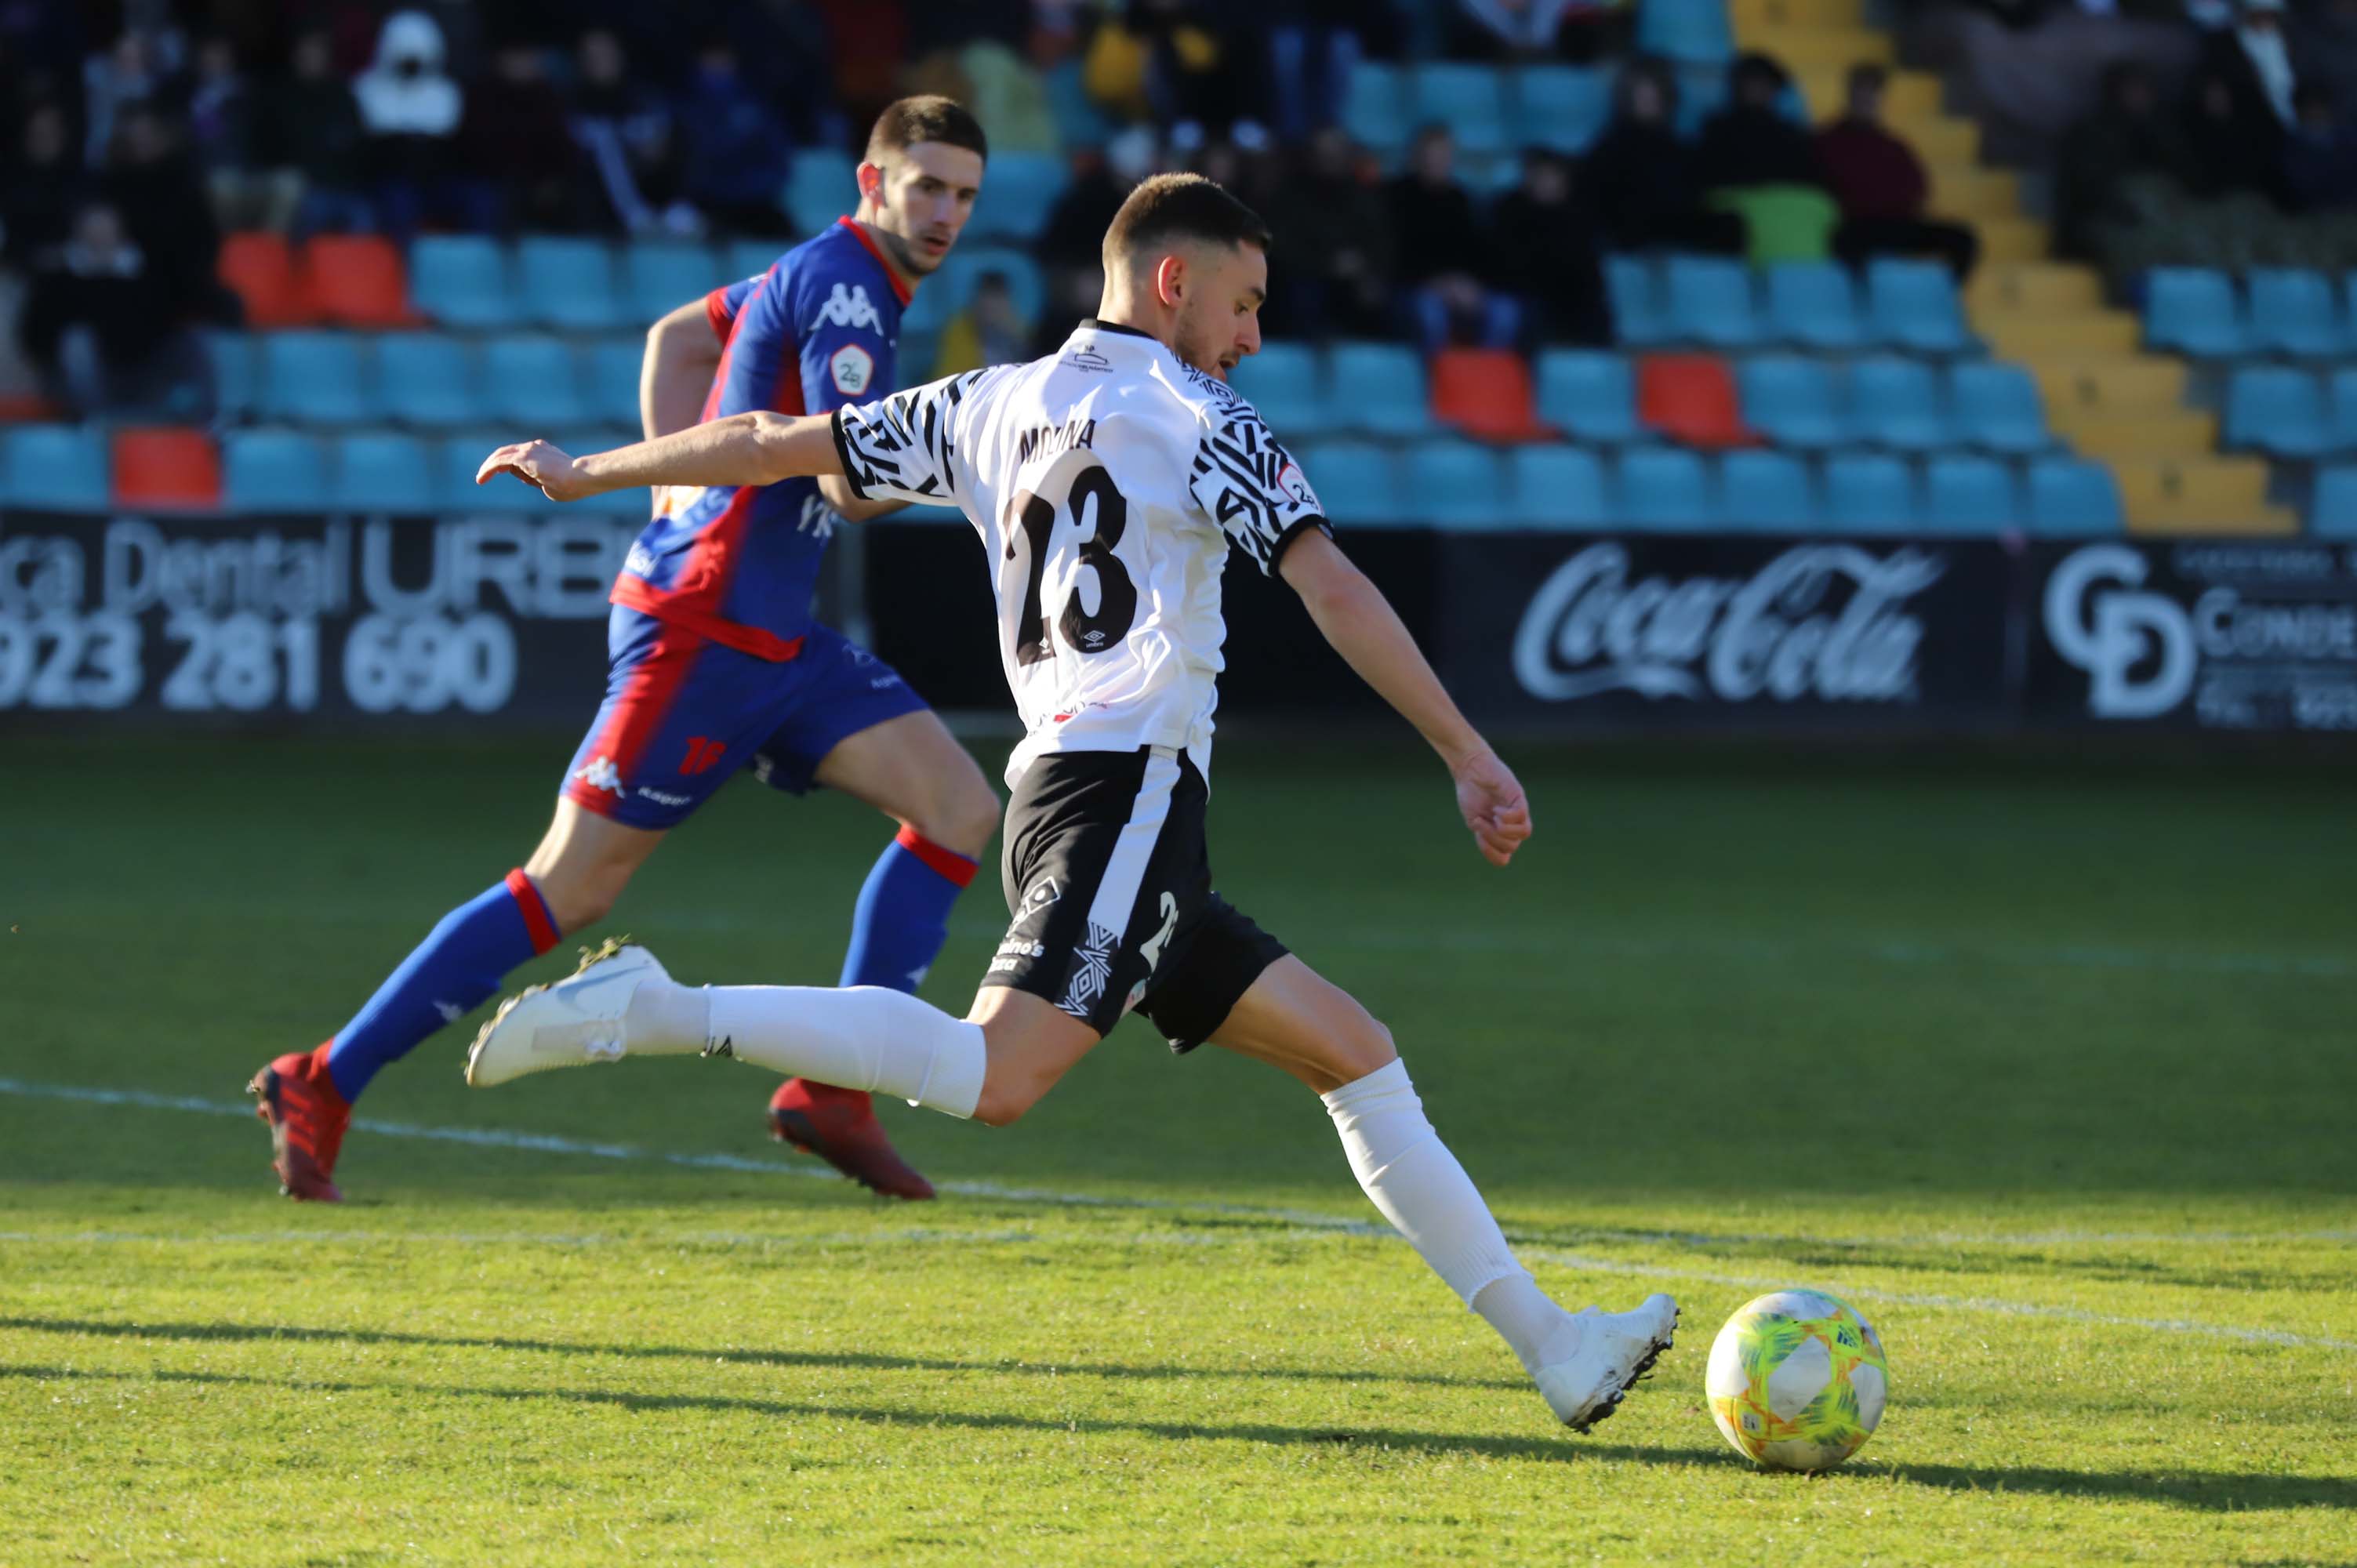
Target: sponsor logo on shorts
(662, 799)
(1092, 971)
(702, 751)
(1043, 893)
(600, 775)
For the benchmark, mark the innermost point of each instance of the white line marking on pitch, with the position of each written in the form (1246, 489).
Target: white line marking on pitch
(1305, 1222)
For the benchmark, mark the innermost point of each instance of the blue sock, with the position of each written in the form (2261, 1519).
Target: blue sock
(454, 968)
(903, 915)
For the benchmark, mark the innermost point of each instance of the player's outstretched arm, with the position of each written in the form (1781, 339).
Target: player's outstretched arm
(1360, 624)
(757, 449)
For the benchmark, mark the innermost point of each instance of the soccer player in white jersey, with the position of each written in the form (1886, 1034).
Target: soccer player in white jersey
(1109, 481)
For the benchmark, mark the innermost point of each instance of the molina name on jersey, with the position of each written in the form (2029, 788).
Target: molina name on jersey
(739, 563)
(1108, 481)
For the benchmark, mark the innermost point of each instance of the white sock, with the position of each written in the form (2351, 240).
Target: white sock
(860, 1036)
(1408, 1172)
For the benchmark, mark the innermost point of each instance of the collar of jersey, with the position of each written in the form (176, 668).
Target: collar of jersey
(1090, 324)
(903, 292)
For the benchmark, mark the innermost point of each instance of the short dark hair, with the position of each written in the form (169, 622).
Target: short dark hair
(929, 118)
(1181, 207)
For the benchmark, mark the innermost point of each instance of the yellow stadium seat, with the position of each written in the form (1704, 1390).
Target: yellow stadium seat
(2153, 434)
(2199, 495)
(2118, 384)
(2050, 286)
(2018, 335)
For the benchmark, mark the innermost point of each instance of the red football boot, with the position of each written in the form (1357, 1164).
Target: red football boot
(839, 1126)
(306, 1118)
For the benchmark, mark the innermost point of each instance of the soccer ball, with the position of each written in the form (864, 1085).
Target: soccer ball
(1797, 1380)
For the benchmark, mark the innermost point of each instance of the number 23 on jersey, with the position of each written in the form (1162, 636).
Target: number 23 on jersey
(1097, 513)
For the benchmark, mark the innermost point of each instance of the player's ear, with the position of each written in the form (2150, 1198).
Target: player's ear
(871, 183)
(1171, 279)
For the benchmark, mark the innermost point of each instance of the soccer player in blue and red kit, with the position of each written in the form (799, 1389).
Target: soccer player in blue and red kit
(716, 666)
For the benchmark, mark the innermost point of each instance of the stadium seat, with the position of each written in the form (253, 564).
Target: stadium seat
(1456, 484)
(1662, 487)
(1592, 394)
(54, 467)
(1554, 486)
(273, 470)
(1814, 304)
(821, 186)
(2193, 310)
(1486, 393)
(1895, 403)
(1767, 490)
(316, 378)
(1691, 32)
(1997, 406)
(2293, 309)
(532, 382)
(2072, 497)
(1374, 110)
(1358, 482)
(462, 280)
(1793, 400)
(2344, 409)
(614, 366)
(1868, 492)
(569, 285)
(752, 258)
(1633, 286)
(237, 375)
(1469, 99)
(357, 280)
(2276, 410)
(1079, 122)
(1709, 301)
(379, 470)
(1561, 106)
(1023, 188)
(1965, 494)
(1378, 388)
(428, 378)
(1690, 398)
(1281, 381)
(260, 270)
(2332, 511)
(166, 468)
(658, 277)
(953, 285)
(1913, 304)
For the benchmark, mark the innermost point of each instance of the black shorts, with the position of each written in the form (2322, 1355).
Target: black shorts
(1109, 882)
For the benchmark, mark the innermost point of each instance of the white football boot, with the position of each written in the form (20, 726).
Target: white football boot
(570, 1024)
(1616, 1348)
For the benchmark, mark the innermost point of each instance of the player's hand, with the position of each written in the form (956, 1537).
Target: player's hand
(540, 466)
(1494, 807)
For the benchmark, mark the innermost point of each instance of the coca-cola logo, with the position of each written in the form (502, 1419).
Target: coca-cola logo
(1787, 632)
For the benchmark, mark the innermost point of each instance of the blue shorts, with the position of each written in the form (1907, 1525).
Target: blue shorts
(682, 713)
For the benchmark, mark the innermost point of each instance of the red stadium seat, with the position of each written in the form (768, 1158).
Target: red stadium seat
(165, 468)
(1486, 393)
(259, 268)
(357, 280)
(1691, 398)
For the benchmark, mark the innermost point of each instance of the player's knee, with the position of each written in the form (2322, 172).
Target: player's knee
(581, 898)
(965, 820)
(1355, 1052)
(1002, 1104)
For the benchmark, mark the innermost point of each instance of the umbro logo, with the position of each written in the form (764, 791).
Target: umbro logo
(1043, 893)
(850, 307)
(600, 775)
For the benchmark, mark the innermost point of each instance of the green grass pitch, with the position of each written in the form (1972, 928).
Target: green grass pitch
(2050, 1069)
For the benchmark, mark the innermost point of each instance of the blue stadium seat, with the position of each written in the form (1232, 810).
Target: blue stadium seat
(1079, 122)
(1792, 401)
(379, 470)
(1281, 381)
(2193, 310)
(1965, 494)
(55, 468)
(1913, 304)
(237, 378)
(1377, 388)
(821, 186)
(428, 378)
(2332, 511)
(532, 382)
(454, 460)
(1709, 300)
(1470, 100)
(1997, 406)
(1556, 486)
(658, 277)
(1814, 304)
(1456, 484)
(1662, 487)
(1895, 403)
(1634, 287)
(2278, 411)
(614, 366)
(569, 284)
(462, 280)
(1018, 193)
(752, 258)
(1561, 106)
(273, 470)
(2344, 409)
(2072, 497)
(1374, 110)
(1870, 492)
(2293, 309)
(949, 289)
(1767, 490)
(316, 378)
(1691, 32)
(1592, 394)
(1359, 482)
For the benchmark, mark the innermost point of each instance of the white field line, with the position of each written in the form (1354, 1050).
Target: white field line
(1304, 1221)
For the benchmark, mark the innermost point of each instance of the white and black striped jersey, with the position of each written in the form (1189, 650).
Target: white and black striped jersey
(1109, 481)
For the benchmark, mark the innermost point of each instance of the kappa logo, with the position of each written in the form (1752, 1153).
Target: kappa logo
(851, 308)
(451, 1012)
(852, 368)
(702, 752)
(600, 775)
